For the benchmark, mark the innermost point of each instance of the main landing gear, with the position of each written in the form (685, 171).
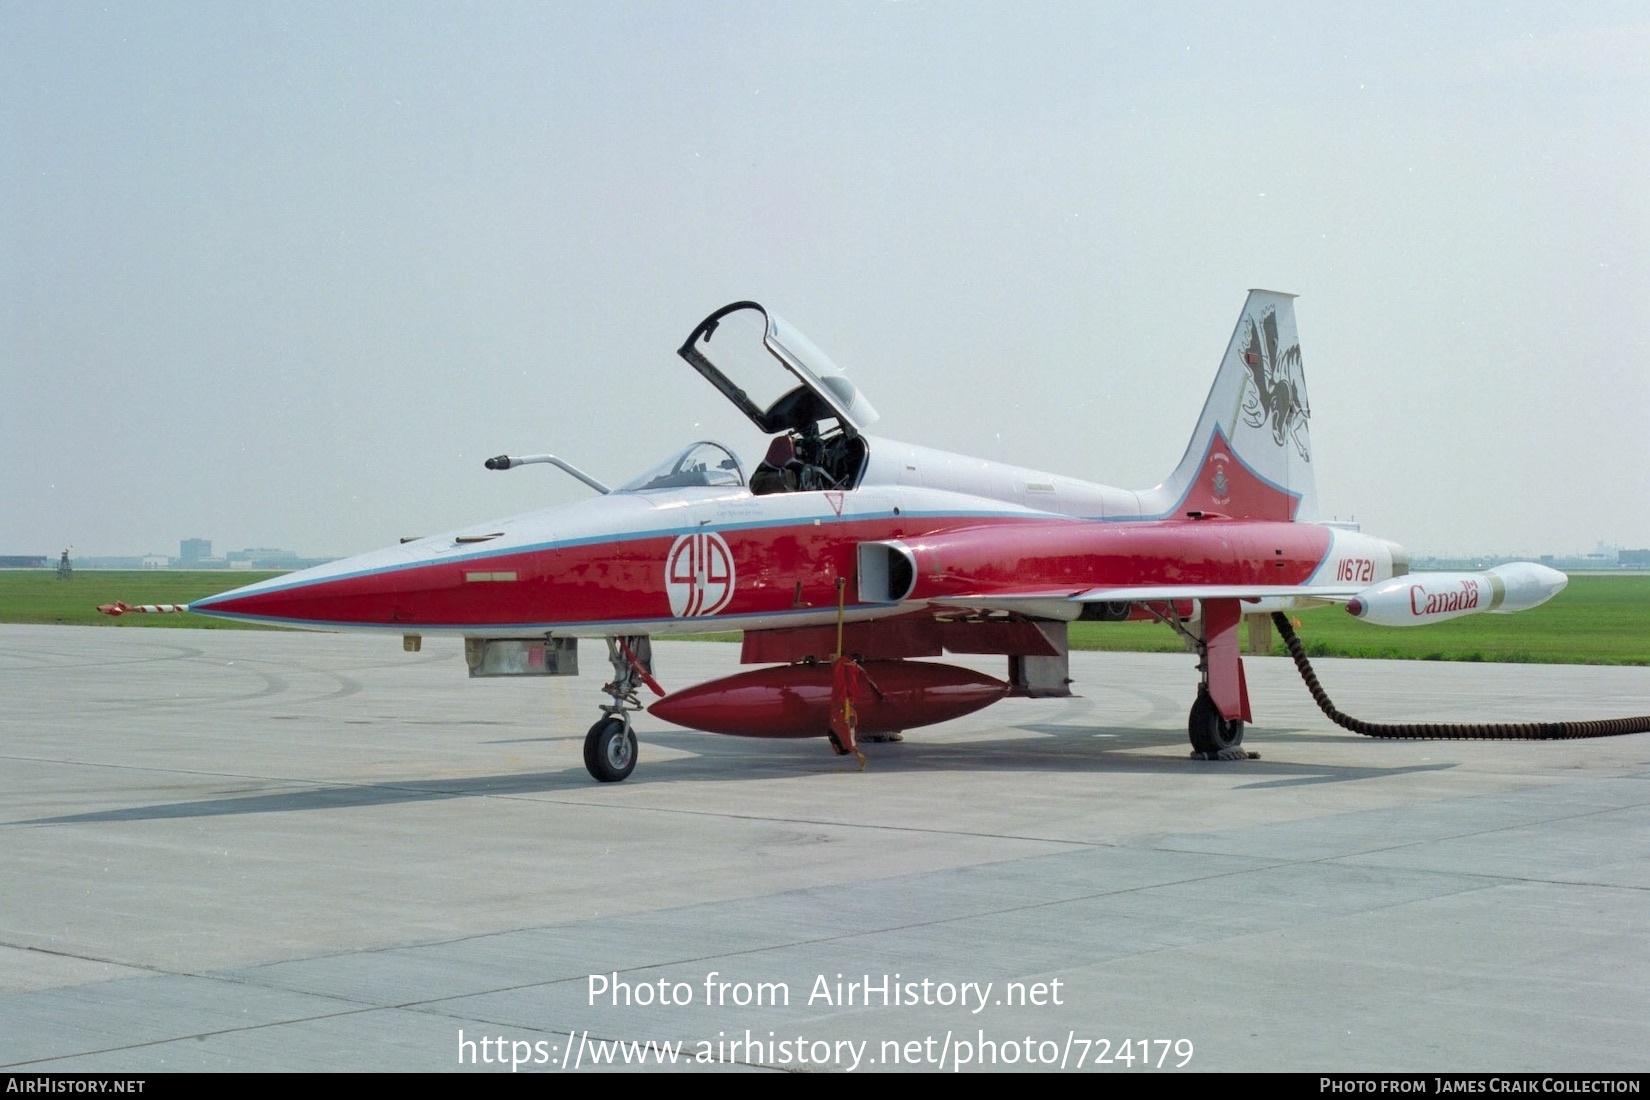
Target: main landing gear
(610, 746)
(1211, 734)
(1222, 705)
(1214, 736)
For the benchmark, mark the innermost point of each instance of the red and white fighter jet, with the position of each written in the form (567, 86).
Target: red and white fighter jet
(846, 559)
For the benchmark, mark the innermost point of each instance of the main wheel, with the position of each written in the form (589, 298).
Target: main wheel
(610, 750)
(1211, 734)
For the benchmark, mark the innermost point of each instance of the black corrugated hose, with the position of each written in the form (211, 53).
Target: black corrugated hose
(1465, 731)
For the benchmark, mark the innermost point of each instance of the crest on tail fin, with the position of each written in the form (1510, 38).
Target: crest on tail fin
(1251, 454)
(1276, 393)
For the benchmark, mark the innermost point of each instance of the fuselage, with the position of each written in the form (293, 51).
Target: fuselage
(685, 560)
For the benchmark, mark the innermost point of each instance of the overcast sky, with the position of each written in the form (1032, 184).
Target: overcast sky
(285, 274)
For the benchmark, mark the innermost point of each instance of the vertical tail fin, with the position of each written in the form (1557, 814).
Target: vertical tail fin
(1251, 455)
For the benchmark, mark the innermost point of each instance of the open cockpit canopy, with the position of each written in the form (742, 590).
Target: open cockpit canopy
(748, 341)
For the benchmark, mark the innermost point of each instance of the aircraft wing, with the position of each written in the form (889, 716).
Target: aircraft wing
(1067, 604)
(1216, 592)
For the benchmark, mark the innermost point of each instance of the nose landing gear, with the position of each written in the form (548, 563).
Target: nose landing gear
(610, 746)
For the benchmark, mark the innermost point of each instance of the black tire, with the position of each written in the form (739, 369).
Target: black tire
(610, 750)
(1211, 734)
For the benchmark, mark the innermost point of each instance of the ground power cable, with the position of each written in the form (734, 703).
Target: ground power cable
(1464, 731)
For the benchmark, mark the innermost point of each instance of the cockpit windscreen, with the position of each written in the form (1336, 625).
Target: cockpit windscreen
(702, 463)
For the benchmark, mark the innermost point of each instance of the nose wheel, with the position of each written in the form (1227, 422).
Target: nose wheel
(610, 746)
(610, 749)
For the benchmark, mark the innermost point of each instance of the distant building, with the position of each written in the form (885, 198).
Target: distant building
(23, 561)
(156, 561)
(261, 554)
(263, 557)
(1635, 559)
(194, 551)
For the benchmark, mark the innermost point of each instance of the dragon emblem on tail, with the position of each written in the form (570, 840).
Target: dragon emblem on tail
(1275, 391)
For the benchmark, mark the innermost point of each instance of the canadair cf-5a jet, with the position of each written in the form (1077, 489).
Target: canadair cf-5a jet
(848, 561)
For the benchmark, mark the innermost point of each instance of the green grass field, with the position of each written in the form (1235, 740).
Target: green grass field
(37, 596)
(1596, 620)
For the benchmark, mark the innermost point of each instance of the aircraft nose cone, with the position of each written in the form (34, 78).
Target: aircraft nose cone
(290, 601)
(373, 590)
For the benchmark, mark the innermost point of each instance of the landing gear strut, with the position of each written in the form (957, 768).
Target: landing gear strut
(610, 746)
